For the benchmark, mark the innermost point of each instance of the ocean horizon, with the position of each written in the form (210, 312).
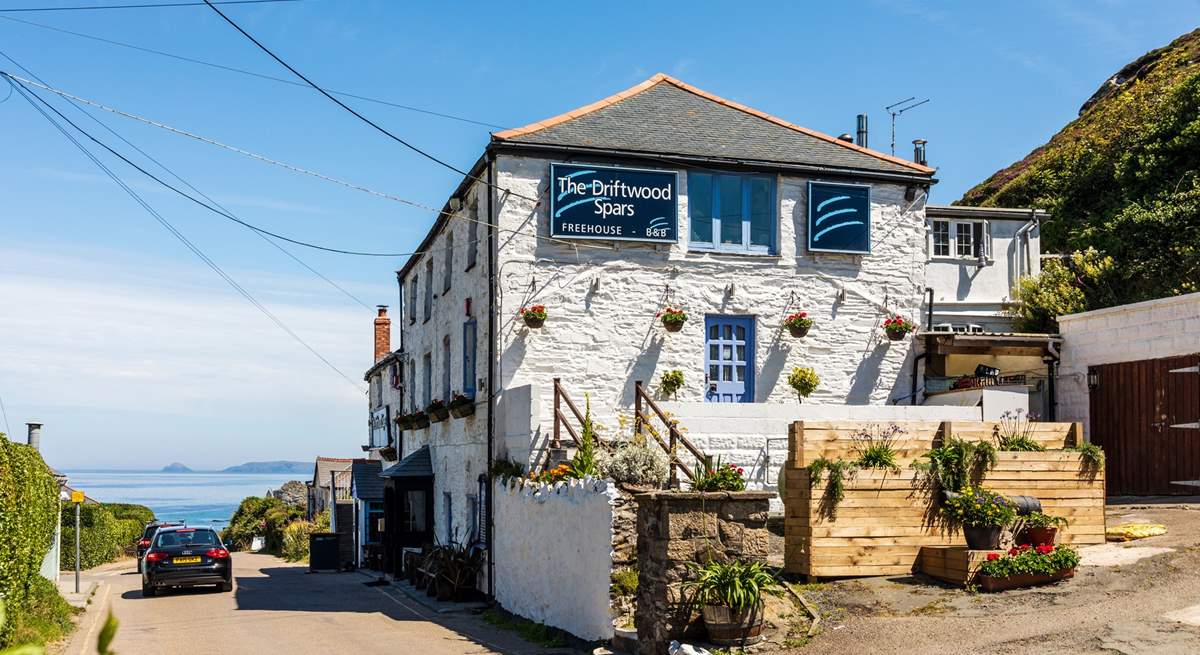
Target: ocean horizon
(198, 497)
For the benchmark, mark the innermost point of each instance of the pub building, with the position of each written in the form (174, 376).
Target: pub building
(661, 196)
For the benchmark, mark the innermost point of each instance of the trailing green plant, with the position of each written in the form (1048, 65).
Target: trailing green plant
(28, 514)
(671, 382)
(625, 581)
(1015, 432)
(737, 584)
(506, 470)
(584, 461)
(955, 464)
(1038, 520)
(804, 381)
(1091, 455)
(836, 471)
(1030, 560)
(979, 507)
(636, 462)
(876, 448)
(719, 477)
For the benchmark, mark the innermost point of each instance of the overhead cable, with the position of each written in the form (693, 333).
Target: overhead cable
(152, 5)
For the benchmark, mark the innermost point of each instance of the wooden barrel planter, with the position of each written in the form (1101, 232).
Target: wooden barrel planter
(725, 628)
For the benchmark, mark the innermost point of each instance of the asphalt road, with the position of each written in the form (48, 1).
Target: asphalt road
(278, 608)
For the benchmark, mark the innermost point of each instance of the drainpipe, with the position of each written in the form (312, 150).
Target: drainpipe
(1051, 361)
(924, 355)
(491, 385)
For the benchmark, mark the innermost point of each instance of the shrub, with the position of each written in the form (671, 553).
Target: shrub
(28, 510)
(721, 477)
(671, 382)
(139, 513)
(46, 616)
(1078, 283)
(255, 516)
(506, 470)
(637, 462)
(295, 540)
(738, 585)
(979, 507)
(804, 381)
(625, 581)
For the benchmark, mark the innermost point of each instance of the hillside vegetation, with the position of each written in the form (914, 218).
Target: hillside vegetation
(1123, 179)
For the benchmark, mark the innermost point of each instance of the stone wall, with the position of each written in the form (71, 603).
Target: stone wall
(675, 530)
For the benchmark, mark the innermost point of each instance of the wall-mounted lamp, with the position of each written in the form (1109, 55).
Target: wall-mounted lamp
(596, 283)
(1093, 380)
(455, 204)
(839, 292)
(910, 193)
(730, 289)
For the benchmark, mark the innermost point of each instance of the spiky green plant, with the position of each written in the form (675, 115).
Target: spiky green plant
(738, 585)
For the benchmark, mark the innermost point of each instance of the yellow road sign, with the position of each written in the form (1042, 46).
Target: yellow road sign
(77, 496)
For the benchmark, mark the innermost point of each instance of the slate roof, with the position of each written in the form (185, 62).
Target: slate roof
(667, 116)
(326, 465)
(365, 479)
(418, 464)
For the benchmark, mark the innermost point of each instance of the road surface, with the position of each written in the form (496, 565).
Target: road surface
(279, 608)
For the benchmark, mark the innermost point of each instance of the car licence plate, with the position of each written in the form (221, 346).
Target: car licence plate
(186, 560)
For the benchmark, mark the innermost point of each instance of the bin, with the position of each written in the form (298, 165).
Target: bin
(323, 551)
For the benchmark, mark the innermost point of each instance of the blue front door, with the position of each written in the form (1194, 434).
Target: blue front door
(729, 358)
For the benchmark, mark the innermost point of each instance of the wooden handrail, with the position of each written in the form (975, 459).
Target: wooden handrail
(674, 434)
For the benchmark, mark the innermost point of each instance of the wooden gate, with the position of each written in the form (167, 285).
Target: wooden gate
(1132, 406)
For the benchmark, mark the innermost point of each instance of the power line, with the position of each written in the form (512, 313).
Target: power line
(147, 155)
(4, 411)
(153, 5)
(179, 235)
(343, 105)
(242, 71)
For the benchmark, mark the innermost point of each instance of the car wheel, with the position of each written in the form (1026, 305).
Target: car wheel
(148, 591)
(225, 586)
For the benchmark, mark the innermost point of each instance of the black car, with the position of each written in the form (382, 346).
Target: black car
(186, 557)
(143, 544)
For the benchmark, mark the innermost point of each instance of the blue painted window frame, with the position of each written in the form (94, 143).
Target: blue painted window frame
(470, 336)
(714, 203)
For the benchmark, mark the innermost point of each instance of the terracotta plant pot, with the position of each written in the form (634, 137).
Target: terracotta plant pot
(896, 335)
(990, 584)
(725, 628)
(1036, 536)
(462, 410)
(534, 322)
(798, 332)
(438, 415)
(673, 326)
(982, 537)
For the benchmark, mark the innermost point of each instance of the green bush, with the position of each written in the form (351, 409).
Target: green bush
(295, 540)
(46, 617)
(104, 537)
(260, 517)
(139, 513)
(28, 510)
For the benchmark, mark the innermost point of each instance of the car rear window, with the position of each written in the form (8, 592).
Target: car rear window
(151, 529)
(187, 537)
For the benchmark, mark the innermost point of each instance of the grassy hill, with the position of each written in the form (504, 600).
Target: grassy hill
(1123, 178)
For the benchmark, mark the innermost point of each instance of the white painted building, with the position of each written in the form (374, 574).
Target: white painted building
(660, 196)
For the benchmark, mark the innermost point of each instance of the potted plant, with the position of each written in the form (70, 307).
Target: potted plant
(897, 327)
(437, 410)
(671, 382)
(1038, 529)
(730, 598)
(804, 381)
(721, 477)
(462, 406)
(534, 316)
(1025, 566)
(798, 324)
(673, 318)
(982, 513)
(403, 422)
(418, 420)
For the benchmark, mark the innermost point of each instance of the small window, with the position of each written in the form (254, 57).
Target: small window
(412, 300)
(427, 374)
(473, 234)
(731, 213)
(414, 511)
(448, 517)
(428, 288)
(446, 369)
(468, 382)
(412, 386)
(941, 238)
(964, 241)
(449, 275)
(473, 518)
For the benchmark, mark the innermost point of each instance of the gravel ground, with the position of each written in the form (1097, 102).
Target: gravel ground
(1104, 609)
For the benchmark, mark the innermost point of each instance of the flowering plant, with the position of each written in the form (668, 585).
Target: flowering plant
(435, 405)
(534, 312)
(798, 320)
(672, 316)
(550, 476)
(897, 324)
(1025, 560)
(460, 399)
(804, 381)
(721, 477)
(979, 507)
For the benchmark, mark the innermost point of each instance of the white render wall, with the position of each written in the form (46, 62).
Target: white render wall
(553, 554)
(965, 293)
(602, 334)
(1167, 327)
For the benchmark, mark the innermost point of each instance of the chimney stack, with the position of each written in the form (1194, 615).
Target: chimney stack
(35, 435)
(862, 131)
(383, 333)
(919, 151)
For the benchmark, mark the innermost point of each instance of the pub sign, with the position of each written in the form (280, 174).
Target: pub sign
(839, 218)
(620, 204)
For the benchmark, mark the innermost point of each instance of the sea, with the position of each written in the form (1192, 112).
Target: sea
(198, 498)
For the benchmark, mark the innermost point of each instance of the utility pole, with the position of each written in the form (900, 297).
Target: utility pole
(77, 498)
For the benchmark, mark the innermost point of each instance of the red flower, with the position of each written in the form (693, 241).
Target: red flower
(1013, 551)
(1045, 549)
(993, 557)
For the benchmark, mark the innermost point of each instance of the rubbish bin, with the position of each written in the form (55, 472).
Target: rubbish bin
(323, 551)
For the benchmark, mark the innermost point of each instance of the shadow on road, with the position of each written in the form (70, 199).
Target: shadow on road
(136, 594)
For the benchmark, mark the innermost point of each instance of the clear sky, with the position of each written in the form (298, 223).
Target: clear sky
(135, 354)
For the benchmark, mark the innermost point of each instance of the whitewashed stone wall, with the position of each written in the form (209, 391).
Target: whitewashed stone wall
(602, 334)
(1167, 327)
(553, 554)
(382, 393)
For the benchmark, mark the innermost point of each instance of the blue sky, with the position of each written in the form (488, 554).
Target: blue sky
(134, 354)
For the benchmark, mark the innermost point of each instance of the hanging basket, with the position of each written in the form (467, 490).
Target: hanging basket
(533, 322)
(799, 332)
(673, 326)
(896, 335)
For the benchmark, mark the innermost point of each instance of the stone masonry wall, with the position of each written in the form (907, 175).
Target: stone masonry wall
(676, 530)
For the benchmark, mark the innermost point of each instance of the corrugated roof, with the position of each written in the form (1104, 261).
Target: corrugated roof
(418, 464)
(366, 483)
(667, 116)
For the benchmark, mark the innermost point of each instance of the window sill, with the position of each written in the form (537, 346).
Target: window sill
(961, 260)
(732, 253)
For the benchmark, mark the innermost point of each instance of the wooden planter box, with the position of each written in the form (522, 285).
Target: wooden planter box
(462, 410)
(990, 584)
(438, 415)
(954, 564)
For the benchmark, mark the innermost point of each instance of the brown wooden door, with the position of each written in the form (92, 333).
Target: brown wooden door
(1132, 409)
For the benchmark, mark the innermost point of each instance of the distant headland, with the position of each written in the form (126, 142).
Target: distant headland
(249, 467)
(176, 467)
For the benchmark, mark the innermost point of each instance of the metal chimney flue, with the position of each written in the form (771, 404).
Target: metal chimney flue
(35, 435)
(919, 151)
(861, 139)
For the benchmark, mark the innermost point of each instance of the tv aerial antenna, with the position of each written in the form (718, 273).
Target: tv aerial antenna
(897, 108)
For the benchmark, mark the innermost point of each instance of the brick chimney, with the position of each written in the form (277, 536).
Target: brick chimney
(35, 435)
(383, 333)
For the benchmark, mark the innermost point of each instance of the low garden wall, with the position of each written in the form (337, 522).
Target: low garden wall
(554, 547)
(884, 518)
(675, 530)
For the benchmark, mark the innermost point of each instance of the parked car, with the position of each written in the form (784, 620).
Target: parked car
(186, 557)
(143, 544)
